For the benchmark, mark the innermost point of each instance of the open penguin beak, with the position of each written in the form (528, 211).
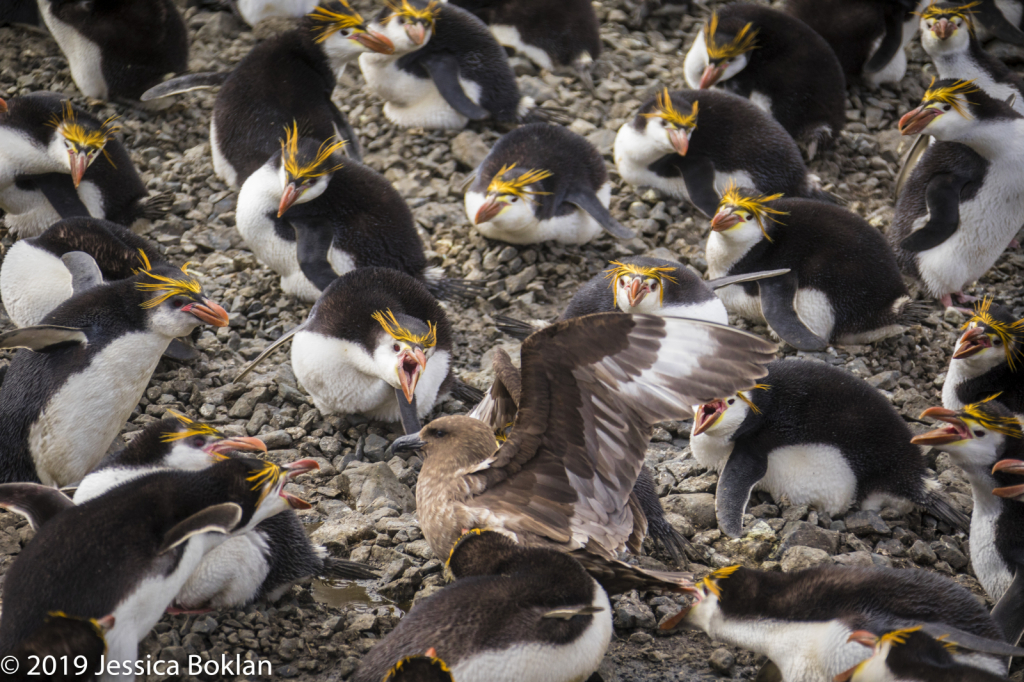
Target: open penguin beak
(489, 211)
(913, 122)
(723, 220)
(231, 444)
(943, 28)
(637, 291)
(1010, 466)
(375, 42)
(209, 312)
(680, 140)
(956, 431)
(302, 466)
(411, 363)
(79, 163)
(290, 195)
(972, 342)
(707, 415)
(417, 33)
(711, 75)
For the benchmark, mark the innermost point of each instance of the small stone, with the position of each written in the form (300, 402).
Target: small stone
(803, 534)
(343, 531)
(469, 148)
(953, 316)
(946, 551)
(921, 553)
(374, 448)
(722, 662)
(517, 282)
(854, 559)
(246, 405)
(799, 558)
(884, 381)
(698, 507)
(866, 523)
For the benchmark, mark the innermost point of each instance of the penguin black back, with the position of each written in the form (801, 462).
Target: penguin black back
(62, 636)
(114, 247)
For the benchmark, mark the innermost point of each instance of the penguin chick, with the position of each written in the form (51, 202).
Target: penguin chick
(60, 162)
(843, 286)
(963, 203)
(159, 527)
(310, 218)
(420, 668)
(867, 36)
(116, 49)
(513, 613)
(987, 360)
(690, 144)
(35, 279)
(783, 435)
(447, 69)
(542, 182)
(64, 400)
(776, 61)
(81, 640)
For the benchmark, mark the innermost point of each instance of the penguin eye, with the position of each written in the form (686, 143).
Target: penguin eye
(731, 400)
(979, 434)
(198, 442)
(946, 107)
(997, 341)
(654, 285)
(396, 348)
(513, 199)
(180, 301)
(622, 283)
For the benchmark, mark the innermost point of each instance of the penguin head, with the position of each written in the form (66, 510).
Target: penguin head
(911, 645)
(198, 444)
(723, 418)
(976, 437)
(176, 303)
(665, 126)
(991, 337)
(639, 288)
(305, 167)
(509, 203)
(408, 24)
(342, 33)
(949, 110)
(64, 635)
(705, 610)
(258, 486)
(417, 668)
(480, 552)
(947, 27)
(79, 140)
(741, 216)
(725, 52)
(404, 346)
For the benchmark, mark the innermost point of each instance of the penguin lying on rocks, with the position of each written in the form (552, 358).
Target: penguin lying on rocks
(289, 77)
(802, 621)
(779, 63)
(60, 162)
(987, 360)
(376, 343)
(118, 48)
(795, 436)
(64, 400)
(159, 527)
(62, 635)
(542, 182)
(592, 389)
(513, 613)
(963, 203)
(843, 285)
(419, 668)
(690, 144)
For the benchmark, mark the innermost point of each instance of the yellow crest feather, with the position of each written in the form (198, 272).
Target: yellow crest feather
(745, 41)
(329, 22)
(711, 581)
(963, 11)
(517, 186)
(1008, 426)
(754, 408)
(754, 205)
(165, 287)
(624, 269)
(666, 110)
(194, 429)
(266, 477)
(898, 636)
(290, 155)
(954, 95)
(74, 132)
(397, 667)
(1011, 334)
(96, 627)
(427, 14)
(386, 319)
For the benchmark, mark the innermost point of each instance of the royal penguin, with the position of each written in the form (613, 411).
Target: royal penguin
(66, 397)
(426, 667)
(159, 527)
(802, 621)
(82, 642)
(61, 162)
(779, 63)
(691, 144)
(963, 203)
(116, 49)
(287, 78)
(843, 286)
(867, 36)
(542, 182)
(261, 564)
(911, 655)
(987, 360)
(446, 70)
(513, 613)
(794, 436)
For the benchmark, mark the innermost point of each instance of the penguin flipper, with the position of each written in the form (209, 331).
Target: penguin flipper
(943, 200)
(742, 471)
(444, 71)
(586, 200)
(892, 42)
(37, 503)
(407, 410)
(997, 24)
(1008, 612)
(746, 277)
(982, 645)
(42, 337)
(186, 83)
(312, 244)
(220, 518)
(699, 176)
(777, 296)
(346, 132)
(270, 349)
(921, 145)
(60, 191)
(85, 273)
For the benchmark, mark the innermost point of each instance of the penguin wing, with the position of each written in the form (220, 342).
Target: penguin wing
(59, 190)
(270, 349)
(921, 145)
(85, 273)
(42, 337)
(777, 295)
(699, 176)
(943, 201)
(1008, 612)
(892, 42)
(444, 71)
(345, 131)
(745, 277)
(744, 468)
(220, 518)
(186, 83)
(312, 243)
(984, 645)
(992, 18)
(37, 503)
(586, 200)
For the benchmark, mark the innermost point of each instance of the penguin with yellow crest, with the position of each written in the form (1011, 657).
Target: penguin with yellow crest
(988, 360)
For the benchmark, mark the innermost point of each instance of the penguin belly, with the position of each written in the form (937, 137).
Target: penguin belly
(578, 227)
(993, 573)
(29, 212)
(894, 71)
(33, 282)
(85, 58)
(509, 37)
(221, 166)
(255, 11)
(811, 473)
(711, 310)
(229, 575)
(410, 101)
(738, 301)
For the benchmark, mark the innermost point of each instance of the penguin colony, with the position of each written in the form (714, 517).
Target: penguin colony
(531, 490)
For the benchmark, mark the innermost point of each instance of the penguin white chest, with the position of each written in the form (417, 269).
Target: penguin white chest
(993, 573)
(577, 227)
(33, 282)
(84, 57)
(221, 166)
(410, 101)
(811, 473)
(229, 575)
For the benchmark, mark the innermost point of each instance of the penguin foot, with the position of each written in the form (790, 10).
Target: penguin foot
(1014, 244)
(961, 297)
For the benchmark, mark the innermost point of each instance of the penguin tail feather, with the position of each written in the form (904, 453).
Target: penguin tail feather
(341, 569)
(548, 113)
(510, 326)
(466, 393)
(156, 206)
(814, 191)
(937, 503)
(446, 288)
(913, 312)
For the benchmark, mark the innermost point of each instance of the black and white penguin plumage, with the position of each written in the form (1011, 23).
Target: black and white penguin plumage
(311, 216)
(512, 614)
(1001, 19)
(34, 278)
(64, 400)
(116, 49)
(963, 203)
(542, 182)
(691, 144)
(447, 69)
(911, 655)
(794, 435)
(988, 360)
(802, 621)
(867, 36)
(777, 61)
(60, 636)
(844, 285)
(159, 527)
(60, 162)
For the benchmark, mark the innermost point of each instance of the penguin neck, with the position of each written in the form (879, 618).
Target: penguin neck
(996, 139)
(725, 251)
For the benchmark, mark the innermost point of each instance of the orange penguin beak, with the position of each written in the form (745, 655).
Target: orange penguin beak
(292, 470)
(913, 122)
(679, 140)
(707, 415)
(723, 220)
(972, 341)
(375, 41)
(637, 292)
(209, 312)
(79, 164)
(956, 431)
(3, 107)
(290, 195)
(489, 211)
(943, 28)
(411, 364)
(711, 75)
(417, 33)
(230, 444)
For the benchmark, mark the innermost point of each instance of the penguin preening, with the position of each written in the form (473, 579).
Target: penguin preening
(910, 654)
(542, 182)
(795, 436)
(83, 641)
(60, 162)
(513, 613)
(776, 61)
(116, 49)
(963, 203)
(987, 360)
(844, 285)
(64, 400)
(690, 144)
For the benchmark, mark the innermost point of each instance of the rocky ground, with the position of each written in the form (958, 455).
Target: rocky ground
(364, 505)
